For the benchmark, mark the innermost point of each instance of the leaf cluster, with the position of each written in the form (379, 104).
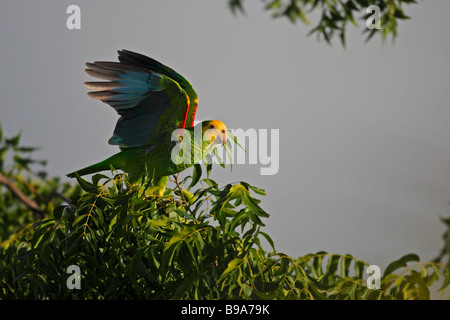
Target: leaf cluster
(27, 194)
(335, 15)
(197, 241)
(445, 250)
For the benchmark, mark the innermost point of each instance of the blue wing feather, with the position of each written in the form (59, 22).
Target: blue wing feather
(139, 60)
(149, 103)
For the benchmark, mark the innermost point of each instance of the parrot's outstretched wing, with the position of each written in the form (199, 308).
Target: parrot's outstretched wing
(150, 102)
(139, 60)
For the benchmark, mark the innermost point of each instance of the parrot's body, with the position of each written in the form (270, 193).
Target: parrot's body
(155, 161)
(157, 108)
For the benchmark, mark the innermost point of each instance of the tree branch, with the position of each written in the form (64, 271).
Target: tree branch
(31, 204)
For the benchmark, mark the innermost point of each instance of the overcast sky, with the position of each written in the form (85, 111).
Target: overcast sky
(364, 132)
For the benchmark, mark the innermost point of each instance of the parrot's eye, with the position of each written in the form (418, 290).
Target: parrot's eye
(211, 127)
(223, 131)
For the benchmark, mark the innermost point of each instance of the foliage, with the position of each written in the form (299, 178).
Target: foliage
(38, 192)
(335, 15)
(198, 241)
(445, 251)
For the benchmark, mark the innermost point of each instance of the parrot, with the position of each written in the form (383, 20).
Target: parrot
(155, 130)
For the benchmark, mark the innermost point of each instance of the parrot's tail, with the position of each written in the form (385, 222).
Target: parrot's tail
(101, 166)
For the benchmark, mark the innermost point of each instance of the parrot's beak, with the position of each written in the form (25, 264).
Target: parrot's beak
(221, 138)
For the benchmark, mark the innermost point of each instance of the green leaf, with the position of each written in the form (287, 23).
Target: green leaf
(332, 266)
(234, 138)
(400, 14)
(58, 211)
(283, 267)
(196, 175)
(78, 219)
(187, 284)
(269, 239)
(359, 269)
(208, 160)
(239, 191)
(228, 149)
(275, 4)
(400, 263)
(14, 141)
(446, 281)
(232, 265)
(97, 177)
(27, 149)
(85, 185)
(183, 214)
(219, 159)
(236, 7)
(210, 182)
(258, 190)
(135, 261)
(345, 265)
(189, 196)
(113, 222)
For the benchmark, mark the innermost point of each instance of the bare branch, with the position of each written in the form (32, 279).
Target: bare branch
(31, 204)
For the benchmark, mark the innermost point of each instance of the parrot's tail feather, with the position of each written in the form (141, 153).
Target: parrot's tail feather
(101, 166)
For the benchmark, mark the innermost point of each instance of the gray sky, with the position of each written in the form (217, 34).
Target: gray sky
(364, 131)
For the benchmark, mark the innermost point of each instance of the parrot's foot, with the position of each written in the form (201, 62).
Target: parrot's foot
(165, 202)
(158, 187)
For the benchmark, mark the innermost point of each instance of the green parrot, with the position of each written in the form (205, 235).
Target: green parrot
(155, 131)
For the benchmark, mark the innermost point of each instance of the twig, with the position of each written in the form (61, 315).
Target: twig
(31, 204)
(179, 188)
(56, 194)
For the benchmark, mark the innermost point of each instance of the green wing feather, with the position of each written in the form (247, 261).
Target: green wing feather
(139, 60)
(150, 103)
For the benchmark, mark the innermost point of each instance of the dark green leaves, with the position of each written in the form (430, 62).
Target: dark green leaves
(335, 15)
(199, 240)
(26, 196)
(445, 250)
(231, 198)
(400, 263)
(197, 174)
(236, 6)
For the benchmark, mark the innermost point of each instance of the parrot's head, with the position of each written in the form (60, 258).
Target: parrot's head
(214, 131)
